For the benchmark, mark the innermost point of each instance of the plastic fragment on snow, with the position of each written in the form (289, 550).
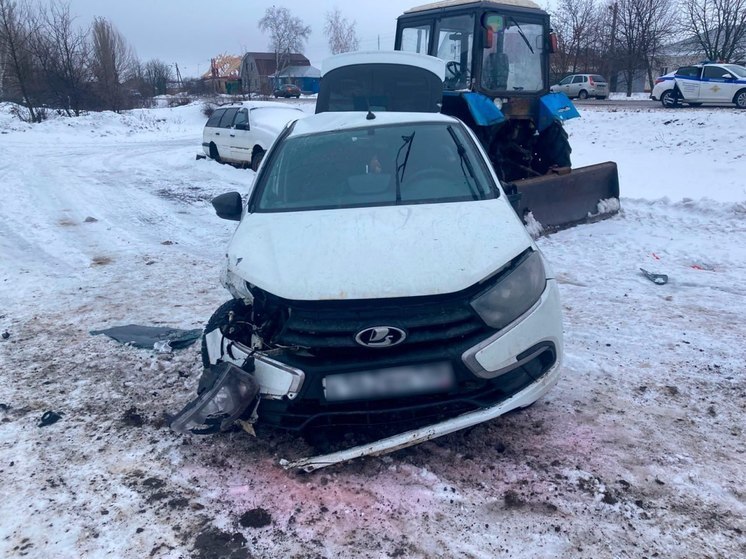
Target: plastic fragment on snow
(657, 279)
(49, 418)
(145, 337)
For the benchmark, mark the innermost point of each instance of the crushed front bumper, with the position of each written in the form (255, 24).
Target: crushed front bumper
(512, 368)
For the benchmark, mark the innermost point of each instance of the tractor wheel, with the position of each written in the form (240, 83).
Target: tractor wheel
(670, 98)
(214, 154)
(583, 94)
(256, 159)
(740, 99)
(552, 149)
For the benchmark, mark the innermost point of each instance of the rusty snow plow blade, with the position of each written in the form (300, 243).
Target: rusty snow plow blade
(560, 200)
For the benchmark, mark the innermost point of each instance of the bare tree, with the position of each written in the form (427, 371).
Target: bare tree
(643, 26)
(157, 74)
(575, 22)
(62, 52)
(112, 63)
(340, 33)
(287, 33)
(17, 27)
(718, 27)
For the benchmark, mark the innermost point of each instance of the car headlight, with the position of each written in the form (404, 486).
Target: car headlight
(514, 294)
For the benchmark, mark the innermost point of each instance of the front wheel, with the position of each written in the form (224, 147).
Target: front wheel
(232, 319)
(740, 99)
(583, 94)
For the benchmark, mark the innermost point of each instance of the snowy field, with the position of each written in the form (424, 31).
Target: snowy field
(638, 452)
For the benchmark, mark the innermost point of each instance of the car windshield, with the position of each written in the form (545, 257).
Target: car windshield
(375, 166)
(739, 71)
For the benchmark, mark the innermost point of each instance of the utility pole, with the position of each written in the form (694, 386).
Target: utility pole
(612, 48)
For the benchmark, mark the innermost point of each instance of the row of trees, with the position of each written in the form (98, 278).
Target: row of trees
(47, 60)
(634, 37)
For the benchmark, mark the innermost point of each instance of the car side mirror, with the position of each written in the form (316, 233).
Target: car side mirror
(228, 206)
(727, 77)
(242, 126)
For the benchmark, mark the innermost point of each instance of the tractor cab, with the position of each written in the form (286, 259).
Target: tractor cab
(500, 50)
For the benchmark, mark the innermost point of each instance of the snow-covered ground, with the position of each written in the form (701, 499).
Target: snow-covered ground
(638, 452)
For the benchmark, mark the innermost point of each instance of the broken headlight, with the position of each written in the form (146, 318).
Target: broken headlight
(219, 407)
(513, 294)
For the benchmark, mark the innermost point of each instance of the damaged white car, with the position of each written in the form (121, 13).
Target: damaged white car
(381, 281)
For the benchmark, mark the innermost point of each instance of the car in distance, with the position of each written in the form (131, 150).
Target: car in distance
(287, 90)
(702, 83)
(380, 279)
(583, 86)
(242, 134)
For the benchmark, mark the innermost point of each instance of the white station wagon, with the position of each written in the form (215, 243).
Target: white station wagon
(243, 133)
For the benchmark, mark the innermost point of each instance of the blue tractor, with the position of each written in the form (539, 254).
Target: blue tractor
(496, 58)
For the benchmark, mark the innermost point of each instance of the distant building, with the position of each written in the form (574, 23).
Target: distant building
(257, 67)
(224, 75)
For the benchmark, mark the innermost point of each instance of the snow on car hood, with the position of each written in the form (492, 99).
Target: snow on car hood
(381, 252)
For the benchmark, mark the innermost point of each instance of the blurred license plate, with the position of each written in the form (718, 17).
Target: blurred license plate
(390, 383)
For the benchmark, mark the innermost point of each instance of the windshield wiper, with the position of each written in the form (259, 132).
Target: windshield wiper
(523, 35)
(466, 163)
(401, 167)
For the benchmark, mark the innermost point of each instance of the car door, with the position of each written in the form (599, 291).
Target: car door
(240, 135)
(575, 86)
(688, 80)
(564, 85)
(223, 134)
(718, 85)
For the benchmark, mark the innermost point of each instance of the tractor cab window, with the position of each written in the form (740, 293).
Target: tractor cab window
(416, 39)
(512, 57)
(454, 41)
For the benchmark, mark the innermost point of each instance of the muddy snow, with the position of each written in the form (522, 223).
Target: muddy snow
(638, 452)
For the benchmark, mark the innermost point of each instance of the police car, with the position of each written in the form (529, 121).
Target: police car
(702, 83)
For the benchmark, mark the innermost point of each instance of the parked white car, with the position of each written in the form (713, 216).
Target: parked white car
(243, 133)
(702, 83)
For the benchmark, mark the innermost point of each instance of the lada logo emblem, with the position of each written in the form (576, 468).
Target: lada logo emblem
(380, 336)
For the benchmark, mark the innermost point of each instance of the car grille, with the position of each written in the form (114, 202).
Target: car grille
(426, 321)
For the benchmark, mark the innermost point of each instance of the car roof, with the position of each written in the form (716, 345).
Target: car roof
(333, 121)
(259, 105)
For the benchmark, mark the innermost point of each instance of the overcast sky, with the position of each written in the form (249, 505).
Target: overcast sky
(190, 32)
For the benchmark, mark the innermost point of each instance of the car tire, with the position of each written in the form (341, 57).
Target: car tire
(583, 94)
(552, 149)
(219, 319)
(256, 159)
(670, 99)
(214, 153)
(740, 99)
